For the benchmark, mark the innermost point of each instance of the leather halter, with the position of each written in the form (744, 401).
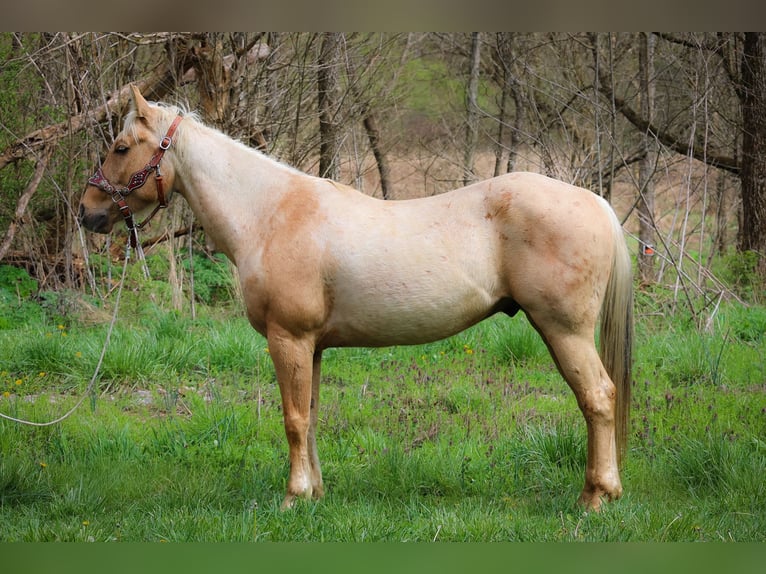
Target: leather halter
(138, 179)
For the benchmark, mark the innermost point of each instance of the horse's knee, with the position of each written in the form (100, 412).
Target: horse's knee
(296, 427)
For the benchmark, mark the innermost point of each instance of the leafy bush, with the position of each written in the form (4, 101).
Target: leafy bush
(15, 312)
(17, 281)
(16, 289)
(740, 272)
(68, 306)
(748, 324)
(213, 281)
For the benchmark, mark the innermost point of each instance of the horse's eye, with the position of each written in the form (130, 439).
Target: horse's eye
(121, 149)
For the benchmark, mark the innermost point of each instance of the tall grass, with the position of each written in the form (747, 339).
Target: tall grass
(473, 438)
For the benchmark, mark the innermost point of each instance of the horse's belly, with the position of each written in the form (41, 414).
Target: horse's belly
(405, 318)
(414, 278)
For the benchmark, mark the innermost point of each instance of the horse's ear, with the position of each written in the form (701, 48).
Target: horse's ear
(139, 103)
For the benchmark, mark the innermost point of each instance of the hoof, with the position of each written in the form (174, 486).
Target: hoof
(592, 499)
(311, 494)
(589, 503)
(288, 502)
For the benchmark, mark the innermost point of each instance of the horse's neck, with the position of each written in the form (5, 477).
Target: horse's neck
(228, 186)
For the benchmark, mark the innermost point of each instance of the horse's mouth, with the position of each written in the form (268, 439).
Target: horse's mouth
(98, 221)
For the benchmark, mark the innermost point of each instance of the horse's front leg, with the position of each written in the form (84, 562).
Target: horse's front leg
(294, 360)
(316, 470)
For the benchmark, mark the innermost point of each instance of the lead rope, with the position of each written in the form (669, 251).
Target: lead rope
(92, 383)
(141, 258)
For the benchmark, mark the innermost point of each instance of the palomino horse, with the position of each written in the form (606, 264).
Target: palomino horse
(323, 265)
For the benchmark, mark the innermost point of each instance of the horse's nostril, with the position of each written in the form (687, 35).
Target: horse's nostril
(97, 221)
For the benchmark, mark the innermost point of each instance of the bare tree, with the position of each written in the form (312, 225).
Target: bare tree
(472, 109)
(82, 78)
(645, 208)
(740, 149)
(328, 103)
(752, 94)
(371, 128)
(504, 58)
(21, 206)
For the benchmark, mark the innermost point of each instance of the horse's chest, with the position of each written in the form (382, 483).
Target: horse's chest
(291, 294)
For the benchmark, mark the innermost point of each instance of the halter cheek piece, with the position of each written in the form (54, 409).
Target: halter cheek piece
(118, 194)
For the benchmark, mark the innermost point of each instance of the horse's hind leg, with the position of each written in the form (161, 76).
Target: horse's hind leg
(578, 362)
(294, 363)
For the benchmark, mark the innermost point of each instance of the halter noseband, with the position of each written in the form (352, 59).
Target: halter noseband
(118, 194)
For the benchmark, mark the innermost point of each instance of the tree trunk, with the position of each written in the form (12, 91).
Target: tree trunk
(371, 127)
(505, 153)
(645, 207)
(21, 207)
(472, 110)
(373, 134)
(721, 215)
(213, 79)
(502, 55)
(327, 102)
(753, 175)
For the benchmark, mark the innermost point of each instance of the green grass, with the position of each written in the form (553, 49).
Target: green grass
(474, 438)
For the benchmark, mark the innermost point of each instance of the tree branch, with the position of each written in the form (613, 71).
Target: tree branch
(668, 139)
(21, 206)
(154, 86)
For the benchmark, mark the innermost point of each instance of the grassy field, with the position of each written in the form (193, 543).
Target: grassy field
(475, 438)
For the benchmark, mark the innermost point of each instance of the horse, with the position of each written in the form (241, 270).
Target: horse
(323, 265)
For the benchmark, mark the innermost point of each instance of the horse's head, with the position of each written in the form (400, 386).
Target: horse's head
(131, 178)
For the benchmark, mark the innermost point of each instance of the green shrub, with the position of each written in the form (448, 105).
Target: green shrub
(15, 312)
(740, 272)
(16, 290)
(17, 281)
(748, 324)
(213, 280)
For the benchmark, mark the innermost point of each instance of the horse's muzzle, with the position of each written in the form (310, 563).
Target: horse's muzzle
(98, 221)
